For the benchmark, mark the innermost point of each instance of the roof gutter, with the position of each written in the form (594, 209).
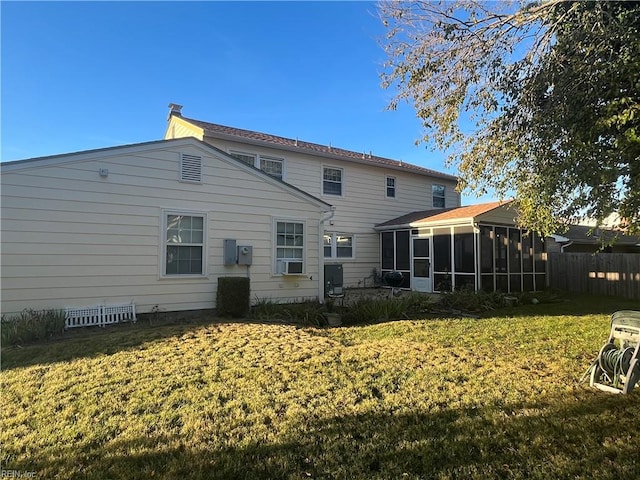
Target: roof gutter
(432, 224)
(392, 227)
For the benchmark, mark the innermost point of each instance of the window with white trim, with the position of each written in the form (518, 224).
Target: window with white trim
(247, 158)
(339, 246)
(184, 243)
(331, 181)
(438, 192)
(290, 242)
(391, 187)
(272, 166)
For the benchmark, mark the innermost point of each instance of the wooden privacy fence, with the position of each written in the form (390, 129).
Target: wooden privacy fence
(614, 274)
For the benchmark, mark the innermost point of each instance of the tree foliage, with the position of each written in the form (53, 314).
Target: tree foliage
(540, 101)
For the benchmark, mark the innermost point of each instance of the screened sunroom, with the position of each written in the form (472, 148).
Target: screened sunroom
(478, 247)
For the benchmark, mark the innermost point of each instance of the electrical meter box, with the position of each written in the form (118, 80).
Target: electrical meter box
(245, 254)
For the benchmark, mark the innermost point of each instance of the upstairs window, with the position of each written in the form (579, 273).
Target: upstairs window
(270, 165)
(332, 181)
(438, 192)
(184, 244)
(247, 158)
(391, 187)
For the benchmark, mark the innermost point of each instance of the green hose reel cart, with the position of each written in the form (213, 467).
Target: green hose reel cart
(616, 369)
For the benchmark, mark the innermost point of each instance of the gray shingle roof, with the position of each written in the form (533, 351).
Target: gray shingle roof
(585, 234)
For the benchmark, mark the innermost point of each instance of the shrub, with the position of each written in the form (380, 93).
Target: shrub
(306, 312)
(366, 310)
(266, 309)
(31, 326)
(232, 299)
(375, 309)
(380, 309)
(470, 301)
(418, 303)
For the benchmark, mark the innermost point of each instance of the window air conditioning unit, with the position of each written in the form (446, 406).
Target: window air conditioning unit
(290, 267)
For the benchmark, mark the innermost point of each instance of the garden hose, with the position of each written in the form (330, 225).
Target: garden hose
(614, 361)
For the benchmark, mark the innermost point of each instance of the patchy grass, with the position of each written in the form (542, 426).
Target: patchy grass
(452, 398)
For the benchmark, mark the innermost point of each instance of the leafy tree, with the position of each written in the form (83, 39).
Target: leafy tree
(540, 101)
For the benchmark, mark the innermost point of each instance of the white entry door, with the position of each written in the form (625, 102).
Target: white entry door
(421, 265)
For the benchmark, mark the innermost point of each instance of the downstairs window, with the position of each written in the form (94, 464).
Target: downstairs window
(184, 244)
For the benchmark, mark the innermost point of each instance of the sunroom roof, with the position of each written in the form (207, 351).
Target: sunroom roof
(421, 217)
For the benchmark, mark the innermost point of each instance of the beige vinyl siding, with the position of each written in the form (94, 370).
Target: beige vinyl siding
(502, 215)
(363, 202)
(73, 238)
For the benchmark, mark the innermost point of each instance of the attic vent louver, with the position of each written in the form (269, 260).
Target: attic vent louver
(191, 168)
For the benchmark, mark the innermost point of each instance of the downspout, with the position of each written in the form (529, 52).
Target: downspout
(329, 216)
(476, 255)
(568, 244)
(563, 241)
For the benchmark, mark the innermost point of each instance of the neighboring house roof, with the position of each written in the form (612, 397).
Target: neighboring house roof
(589, 235)
(446, 215)
(300, 146)
(15, 165)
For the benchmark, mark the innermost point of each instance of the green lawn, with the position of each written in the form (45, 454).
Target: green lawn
(495, 397)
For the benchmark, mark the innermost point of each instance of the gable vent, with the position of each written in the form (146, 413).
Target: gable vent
(191, 168)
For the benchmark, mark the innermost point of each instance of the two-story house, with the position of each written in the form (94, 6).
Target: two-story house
(156, 224)
(365, 189)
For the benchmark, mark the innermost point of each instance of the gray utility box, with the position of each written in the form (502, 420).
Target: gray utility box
(230, 252)
(245, 254)
(332, 278)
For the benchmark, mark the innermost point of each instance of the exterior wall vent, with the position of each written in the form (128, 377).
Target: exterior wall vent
(191, 168)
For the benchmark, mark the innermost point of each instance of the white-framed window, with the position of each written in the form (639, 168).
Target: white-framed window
(273, 166)
(391, 187)
(332, 181)
(247, 158)
(184, 249)
(438, 195)
(339, 246)
(289, 242)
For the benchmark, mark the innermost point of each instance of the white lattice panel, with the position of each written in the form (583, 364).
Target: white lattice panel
(99, 315)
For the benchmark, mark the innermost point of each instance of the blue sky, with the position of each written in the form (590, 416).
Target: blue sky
(82, 75)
